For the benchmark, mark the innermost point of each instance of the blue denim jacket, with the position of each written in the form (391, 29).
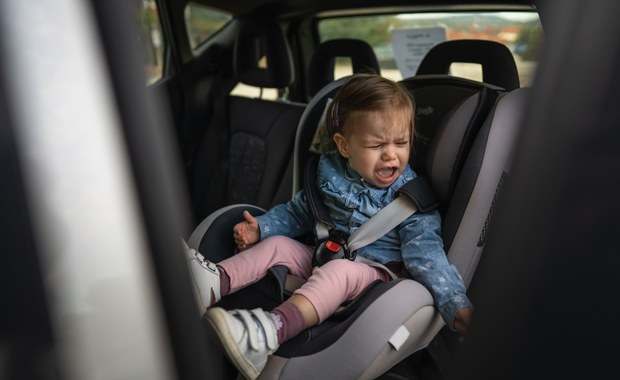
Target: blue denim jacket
(416, 241)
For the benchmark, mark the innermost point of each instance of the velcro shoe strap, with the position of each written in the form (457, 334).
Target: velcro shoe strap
(250, 328)
(268, 328)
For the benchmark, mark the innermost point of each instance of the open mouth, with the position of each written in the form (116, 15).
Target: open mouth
(386, 174)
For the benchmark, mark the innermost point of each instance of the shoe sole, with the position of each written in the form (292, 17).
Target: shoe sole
(217, 319)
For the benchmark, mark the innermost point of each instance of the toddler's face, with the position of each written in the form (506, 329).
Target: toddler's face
(377, 144)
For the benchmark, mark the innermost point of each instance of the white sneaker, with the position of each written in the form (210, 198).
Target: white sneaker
(205, 279)
(248, 337)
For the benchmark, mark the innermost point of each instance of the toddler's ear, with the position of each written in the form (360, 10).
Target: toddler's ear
(341, 144)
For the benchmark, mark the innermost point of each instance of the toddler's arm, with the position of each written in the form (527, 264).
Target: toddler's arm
(425, 259)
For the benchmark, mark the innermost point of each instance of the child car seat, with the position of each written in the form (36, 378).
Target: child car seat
(363, 341)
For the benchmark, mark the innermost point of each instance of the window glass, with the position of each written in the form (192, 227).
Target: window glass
(401, 40)
(151, 37)
(202, 22)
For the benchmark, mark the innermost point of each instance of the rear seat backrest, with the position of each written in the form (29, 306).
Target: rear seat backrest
(261, 133)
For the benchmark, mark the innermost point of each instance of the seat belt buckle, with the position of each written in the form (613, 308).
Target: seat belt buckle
(334, 247)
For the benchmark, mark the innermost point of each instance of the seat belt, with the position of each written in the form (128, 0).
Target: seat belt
(381, 223)
(416, 195)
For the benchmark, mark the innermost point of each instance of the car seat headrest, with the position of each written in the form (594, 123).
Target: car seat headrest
(262, 57)
(498, 65)
(321, 68)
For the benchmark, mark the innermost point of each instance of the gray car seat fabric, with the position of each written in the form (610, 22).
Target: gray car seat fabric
(322, 63)
(486, 169)
(260, 133)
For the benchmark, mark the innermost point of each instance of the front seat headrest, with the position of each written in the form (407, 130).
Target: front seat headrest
(321, 68)
(498, 64)
(262, 57)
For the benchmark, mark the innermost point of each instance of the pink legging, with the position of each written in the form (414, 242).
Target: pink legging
(327, 287)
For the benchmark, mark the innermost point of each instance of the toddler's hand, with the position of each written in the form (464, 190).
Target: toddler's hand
(247, 232)
(462, 320)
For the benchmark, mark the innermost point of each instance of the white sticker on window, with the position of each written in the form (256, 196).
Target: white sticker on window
(411, 45)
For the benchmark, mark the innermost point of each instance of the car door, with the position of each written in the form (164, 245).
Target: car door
(94, 283)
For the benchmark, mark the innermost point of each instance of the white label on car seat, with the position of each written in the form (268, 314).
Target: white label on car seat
(399, 337)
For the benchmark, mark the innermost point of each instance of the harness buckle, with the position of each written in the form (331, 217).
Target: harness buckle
(334, 247)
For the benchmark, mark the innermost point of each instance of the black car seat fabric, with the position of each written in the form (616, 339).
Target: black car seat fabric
(322, 63)
(260, 133)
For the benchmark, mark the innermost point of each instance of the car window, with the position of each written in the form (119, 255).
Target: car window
(202, 22)
(151, 37)
(401, 40)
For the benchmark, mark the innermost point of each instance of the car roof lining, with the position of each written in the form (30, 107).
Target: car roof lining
(298, 8)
